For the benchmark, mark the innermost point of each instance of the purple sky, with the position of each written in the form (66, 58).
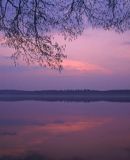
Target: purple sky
(96, 60)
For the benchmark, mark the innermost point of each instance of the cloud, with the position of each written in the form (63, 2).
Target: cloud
(4, 57)
(84, 67)
(126, 43)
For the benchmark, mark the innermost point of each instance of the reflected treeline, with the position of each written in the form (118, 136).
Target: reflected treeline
(28, 25)
(66, 95)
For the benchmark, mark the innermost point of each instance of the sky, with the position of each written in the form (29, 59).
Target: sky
(97, 59)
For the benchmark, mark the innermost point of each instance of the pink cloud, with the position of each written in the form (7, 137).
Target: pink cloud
(84, 67)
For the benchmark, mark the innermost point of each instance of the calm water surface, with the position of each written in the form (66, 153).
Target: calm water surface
(65, 131)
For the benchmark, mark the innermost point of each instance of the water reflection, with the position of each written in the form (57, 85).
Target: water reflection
(46, 130)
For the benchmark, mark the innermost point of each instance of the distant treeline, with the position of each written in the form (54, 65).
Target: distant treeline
(65, 92)
(66, 95)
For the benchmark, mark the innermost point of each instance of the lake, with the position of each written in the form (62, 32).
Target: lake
(64, 130)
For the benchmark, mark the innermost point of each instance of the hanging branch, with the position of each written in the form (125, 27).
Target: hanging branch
(27, 25)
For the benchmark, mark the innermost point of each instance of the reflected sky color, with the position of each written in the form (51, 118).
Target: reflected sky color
(66, 130)
(95, 58)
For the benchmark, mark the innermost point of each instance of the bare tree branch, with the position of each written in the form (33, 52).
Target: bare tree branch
(28, 24)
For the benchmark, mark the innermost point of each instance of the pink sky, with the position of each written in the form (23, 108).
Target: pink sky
(96, 60)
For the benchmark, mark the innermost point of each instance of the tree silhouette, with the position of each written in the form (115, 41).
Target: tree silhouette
(107, 14)
(28, 25)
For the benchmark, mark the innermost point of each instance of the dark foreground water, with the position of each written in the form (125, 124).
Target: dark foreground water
(64, 131)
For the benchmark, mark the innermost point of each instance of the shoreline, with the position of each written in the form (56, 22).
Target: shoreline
(66, 95)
